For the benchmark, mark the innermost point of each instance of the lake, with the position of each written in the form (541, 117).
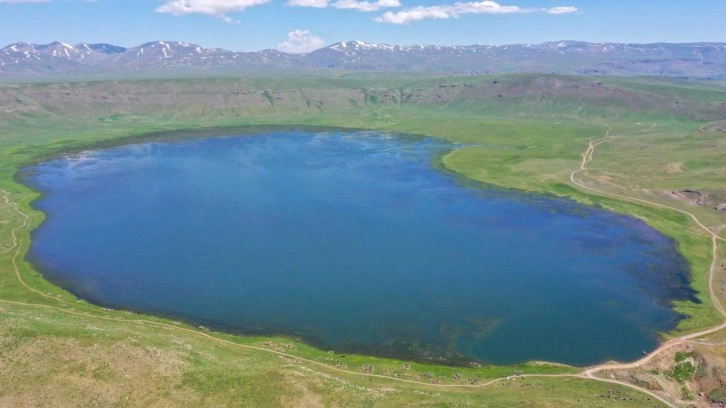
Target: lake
(353, 241)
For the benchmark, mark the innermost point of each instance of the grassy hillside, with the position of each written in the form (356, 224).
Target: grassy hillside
(525, 131)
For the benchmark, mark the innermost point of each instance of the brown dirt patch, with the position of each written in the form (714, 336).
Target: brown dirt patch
(305, 398)
(710, 362)
(674, 168)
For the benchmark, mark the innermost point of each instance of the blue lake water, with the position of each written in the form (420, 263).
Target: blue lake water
(353, 241)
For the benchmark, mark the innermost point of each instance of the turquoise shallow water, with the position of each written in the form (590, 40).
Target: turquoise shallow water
(353, 241)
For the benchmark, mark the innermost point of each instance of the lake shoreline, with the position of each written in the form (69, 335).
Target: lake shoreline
(186, 134)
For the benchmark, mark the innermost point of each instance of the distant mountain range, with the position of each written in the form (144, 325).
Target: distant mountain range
(699, 60)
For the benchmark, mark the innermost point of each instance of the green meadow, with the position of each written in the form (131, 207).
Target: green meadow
(528, 132)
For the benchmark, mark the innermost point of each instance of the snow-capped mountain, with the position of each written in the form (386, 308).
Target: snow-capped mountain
(572, 57)
(15, 53)
(22, 60)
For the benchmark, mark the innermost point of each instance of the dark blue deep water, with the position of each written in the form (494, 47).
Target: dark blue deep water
(353, 241)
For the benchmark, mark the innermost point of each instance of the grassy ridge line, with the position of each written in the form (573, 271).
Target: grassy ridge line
(537, 139)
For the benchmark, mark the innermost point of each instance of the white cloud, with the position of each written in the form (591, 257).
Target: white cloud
(446, 11)
(562, 10)
(308, 3)
(366, 5)
(214, 8)
(360, 5)
(23, 1)
(414, 14)
(300, 41)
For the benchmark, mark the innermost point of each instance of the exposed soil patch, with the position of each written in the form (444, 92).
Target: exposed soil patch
(691, 196)
(673, 168)
(696, 197)
(714, 127)
(690, 373)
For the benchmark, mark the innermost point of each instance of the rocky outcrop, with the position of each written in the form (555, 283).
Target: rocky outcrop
(695, 195)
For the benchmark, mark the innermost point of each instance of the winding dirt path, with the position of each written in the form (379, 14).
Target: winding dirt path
(587, 157)
(16, 244)
(715, 238)
(588, 373)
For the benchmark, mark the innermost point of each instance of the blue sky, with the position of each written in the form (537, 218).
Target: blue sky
(301, 25)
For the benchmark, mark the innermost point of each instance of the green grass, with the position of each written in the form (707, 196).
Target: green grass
(718, 395)
(530, 138)
(684, 371)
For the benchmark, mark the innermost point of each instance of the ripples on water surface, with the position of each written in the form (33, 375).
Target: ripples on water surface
(353, 241)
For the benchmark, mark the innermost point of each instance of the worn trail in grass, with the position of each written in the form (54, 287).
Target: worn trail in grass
(715, 238)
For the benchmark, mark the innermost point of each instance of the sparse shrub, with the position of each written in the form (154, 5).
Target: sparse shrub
(683, 371)
(718, 395)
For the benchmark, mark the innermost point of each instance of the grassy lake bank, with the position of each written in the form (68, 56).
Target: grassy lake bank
(542, 134)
